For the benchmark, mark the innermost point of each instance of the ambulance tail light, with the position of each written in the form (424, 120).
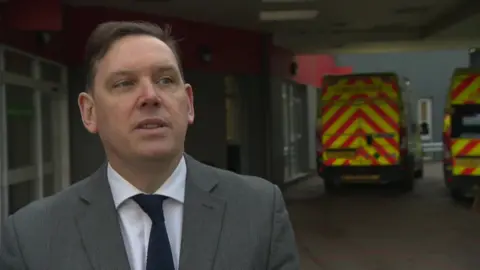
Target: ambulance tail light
(447, 154)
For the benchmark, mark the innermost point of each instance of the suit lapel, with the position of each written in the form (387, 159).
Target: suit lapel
(202, 218)
(98, 225)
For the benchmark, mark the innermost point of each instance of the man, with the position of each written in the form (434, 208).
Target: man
(150, 206)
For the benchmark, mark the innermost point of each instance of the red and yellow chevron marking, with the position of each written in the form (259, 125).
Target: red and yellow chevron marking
(465, 148)
(348, 88)
(465, 89)
(344, 125)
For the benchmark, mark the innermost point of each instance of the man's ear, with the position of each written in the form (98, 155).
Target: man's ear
(191, 108)
(87, 110)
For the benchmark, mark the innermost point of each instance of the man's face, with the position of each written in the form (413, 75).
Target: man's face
(139, 104)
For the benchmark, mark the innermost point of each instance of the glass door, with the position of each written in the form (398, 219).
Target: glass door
(50, 180)
(21, 148)
(298, 120)
(33, 125)
(286, 132)
(292, 133)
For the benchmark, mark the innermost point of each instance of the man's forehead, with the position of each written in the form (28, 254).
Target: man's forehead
(139, 43)
(138, 52)
(154, 68)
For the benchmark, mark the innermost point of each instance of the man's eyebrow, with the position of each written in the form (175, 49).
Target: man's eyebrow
(156, 68)
(164, 68)
(121, 72)
(159, 68)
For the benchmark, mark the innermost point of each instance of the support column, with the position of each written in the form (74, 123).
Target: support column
(266, 106)
(274, 77)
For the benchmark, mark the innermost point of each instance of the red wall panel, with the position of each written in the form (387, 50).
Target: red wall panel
(312, 68)
(31, 15)
(233, 51)
(307, 69)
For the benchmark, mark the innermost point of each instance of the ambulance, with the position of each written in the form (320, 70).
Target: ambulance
(461, 133)
(366, 131)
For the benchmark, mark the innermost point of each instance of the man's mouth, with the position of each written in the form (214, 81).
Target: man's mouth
(153, 123)
(152, 126)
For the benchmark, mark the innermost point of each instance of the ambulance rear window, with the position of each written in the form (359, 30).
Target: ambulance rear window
(466, 121)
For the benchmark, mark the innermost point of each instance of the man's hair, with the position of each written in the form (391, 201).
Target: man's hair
(106, 34)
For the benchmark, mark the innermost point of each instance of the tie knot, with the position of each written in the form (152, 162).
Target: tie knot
(152, 205)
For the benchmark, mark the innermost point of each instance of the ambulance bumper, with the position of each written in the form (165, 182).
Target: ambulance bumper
(463, 183)
(363, 174)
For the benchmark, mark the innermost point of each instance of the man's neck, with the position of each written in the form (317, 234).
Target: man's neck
(147, 176)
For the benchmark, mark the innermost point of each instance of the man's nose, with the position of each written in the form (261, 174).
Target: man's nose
(150, 95)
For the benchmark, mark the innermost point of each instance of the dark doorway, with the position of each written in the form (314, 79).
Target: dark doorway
(234, 158)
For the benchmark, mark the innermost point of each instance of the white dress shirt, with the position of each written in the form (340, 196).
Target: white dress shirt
(135, 224)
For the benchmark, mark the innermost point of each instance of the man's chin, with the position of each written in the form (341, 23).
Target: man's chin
(158, 153)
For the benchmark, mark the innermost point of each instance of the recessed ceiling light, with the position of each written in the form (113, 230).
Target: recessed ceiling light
(283, 15)
(286, 1)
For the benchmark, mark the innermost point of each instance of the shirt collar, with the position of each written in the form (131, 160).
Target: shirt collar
(173, 188)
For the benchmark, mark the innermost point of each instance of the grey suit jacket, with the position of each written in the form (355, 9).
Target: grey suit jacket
(231, 222)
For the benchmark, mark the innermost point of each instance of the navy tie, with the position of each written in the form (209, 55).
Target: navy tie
(159, 256)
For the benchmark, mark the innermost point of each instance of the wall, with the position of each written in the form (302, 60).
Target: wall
(429, 73)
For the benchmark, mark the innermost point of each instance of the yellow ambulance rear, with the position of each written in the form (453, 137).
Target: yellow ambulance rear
(362, 131)
(461, 133)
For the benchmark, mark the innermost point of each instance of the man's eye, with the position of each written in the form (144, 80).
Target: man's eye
(123, 84)
(165, 81)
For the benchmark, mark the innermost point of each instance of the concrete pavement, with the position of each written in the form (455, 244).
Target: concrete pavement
(372, 228)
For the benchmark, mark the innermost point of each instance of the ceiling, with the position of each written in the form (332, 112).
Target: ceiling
(341, 26)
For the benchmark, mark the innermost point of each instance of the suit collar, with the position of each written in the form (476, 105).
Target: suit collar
(98, 224)
(174, 186)
(97, 184)
(200, 175)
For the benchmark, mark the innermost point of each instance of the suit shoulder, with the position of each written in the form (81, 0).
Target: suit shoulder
(252, 196)
(246, 183)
